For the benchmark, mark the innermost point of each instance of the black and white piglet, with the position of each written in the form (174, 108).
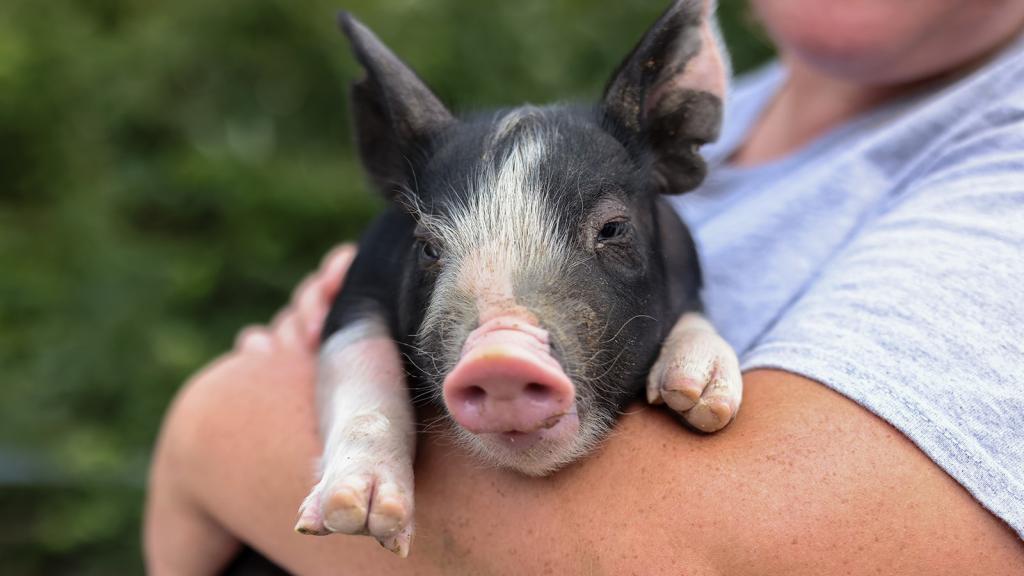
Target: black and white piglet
(528, 276)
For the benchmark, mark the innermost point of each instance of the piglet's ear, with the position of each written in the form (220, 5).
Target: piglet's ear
(666, 97)
(394, 112)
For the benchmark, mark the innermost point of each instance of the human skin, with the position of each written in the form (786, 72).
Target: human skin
(805, 481)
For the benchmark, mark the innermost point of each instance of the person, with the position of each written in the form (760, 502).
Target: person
(861, 233)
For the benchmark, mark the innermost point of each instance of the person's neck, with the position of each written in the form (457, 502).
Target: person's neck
(808, 105)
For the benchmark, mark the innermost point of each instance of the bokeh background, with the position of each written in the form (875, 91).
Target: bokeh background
(168, 171)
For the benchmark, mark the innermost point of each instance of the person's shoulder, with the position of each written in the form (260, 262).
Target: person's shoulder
(991, 95)
(968, 132)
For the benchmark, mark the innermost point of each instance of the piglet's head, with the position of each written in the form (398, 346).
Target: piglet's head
(545, 267)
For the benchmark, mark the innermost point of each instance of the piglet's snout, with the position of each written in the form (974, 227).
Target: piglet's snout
(507, 380)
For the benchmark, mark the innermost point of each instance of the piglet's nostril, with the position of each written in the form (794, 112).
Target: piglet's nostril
(537, 392)
(474, 395)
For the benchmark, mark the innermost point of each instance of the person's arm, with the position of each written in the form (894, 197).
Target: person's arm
(804, 482)
(180, 536)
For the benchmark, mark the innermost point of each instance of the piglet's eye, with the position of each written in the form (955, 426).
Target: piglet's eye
(428, 251)
(613, 230)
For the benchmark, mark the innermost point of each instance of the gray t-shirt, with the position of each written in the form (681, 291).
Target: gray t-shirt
(886, 261)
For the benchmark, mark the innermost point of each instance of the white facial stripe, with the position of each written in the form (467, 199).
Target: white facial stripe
(507, 232)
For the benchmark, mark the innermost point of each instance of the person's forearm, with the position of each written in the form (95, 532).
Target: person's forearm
(802, 471)
(241, 444)
(232, 431)
(179, 538)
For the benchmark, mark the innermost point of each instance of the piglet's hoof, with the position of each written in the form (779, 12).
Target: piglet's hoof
(360, 494)
(697, 375)
(360, 505)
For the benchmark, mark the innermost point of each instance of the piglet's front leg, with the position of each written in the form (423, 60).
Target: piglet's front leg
(366, 482)
(697, 374)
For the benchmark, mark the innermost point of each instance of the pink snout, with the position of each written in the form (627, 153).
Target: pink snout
(507, 380)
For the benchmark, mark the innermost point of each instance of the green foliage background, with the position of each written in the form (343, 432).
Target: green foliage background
(168, 170)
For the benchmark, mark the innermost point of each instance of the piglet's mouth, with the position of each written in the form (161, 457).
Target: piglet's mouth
(562, 428)
(507, 385)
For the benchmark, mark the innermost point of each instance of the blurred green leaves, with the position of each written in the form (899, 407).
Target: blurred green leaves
(168, 170)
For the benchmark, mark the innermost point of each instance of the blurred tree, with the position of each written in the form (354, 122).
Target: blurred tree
(168, 170)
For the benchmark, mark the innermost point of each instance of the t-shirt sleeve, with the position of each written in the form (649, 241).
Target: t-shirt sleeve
(920, 316)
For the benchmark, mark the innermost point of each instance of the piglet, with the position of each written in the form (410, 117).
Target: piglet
(528, 278)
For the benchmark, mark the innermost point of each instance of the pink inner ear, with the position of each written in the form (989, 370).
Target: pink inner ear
(705, 72)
